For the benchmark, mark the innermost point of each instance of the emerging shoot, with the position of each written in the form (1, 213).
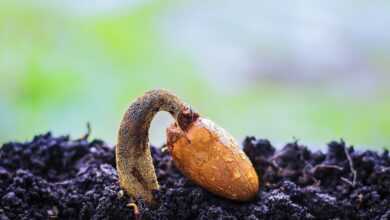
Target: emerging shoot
(202, 151)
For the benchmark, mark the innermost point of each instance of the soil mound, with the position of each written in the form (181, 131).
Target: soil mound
(56, 177)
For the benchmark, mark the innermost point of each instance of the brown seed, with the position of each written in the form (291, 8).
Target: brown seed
(210, 157)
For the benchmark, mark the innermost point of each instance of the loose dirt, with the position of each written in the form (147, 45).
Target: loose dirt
(59, 178)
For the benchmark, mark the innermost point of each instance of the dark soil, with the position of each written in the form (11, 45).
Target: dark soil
(55, 177)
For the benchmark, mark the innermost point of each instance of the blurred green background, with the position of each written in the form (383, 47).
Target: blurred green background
(276, 70)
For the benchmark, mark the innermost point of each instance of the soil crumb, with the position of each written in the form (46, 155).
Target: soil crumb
(60, 178)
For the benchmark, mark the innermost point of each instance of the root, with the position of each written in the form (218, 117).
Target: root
(136, 212)
(351, 166)
(86, 135)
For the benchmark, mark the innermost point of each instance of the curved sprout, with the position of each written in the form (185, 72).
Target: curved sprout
(133, 158)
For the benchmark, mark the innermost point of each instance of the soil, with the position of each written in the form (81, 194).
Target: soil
(56, 177)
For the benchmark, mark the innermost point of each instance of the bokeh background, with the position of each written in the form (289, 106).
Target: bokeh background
(313, 71)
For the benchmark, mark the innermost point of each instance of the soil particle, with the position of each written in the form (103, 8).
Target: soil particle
(59, 178)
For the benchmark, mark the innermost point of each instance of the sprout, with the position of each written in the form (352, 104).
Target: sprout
(202, 151)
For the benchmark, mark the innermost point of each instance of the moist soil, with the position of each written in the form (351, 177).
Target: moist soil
(59, 178)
